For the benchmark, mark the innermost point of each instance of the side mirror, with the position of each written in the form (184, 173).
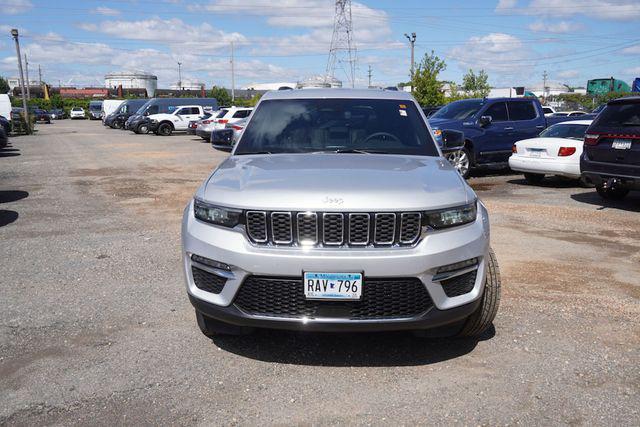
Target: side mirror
(485, 120)
(452, 140)
(222, 139)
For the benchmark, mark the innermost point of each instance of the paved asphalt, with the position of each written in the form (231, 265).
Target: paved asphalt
(96, 328)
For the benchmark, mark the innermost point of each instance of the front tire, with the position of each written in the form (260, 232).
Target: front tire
(609, 193)
(483, 317)
(461, 161)
(534, 178)
(164, 129)
(142, 129)
(212, 328)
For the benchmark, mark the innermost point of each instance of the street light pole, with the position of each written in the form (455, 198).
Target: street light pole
(14, 34)
(412, 41)
(179, 76)
(26, 66)
(233, 76)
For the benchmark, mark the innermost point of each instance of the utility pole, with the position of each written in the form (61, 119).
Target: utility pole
(26, 64)
(179, 76)
(40, 74)
(544, 85)
(412, 41)
(369, 75)
(14, 33)
(342, 49)
(233, 76)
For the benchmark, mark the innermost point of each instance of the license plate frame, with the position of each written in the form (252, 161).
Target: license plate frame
(324, 291)
(621, 144)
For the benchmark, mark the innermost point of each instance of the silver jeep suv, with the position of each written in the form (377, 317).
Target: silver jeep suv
(337, 211)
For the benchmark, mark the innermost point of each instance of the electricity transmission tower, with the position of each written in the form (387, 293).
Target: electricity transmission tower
(342, 50)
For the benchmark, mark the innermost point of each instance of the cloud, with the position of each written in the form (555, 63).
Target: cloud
(616, 10)
(13, 7)
(561, 27)
(497, 52)
(106, 11)
(179, 35)
(631, 50)
(568, 74)
(633, 71)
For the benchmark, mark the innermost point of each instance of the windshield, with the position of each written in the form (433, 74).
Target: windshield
(619, 115)
(95, 107)
(571, 131)
(221, 114)
(459, 110)
(144, 107)
(337, 125)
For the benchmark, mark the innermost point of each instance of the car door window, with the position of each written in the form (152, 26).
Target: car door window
(498, 112)
(241, 114)
(521, 110)
(195, 111)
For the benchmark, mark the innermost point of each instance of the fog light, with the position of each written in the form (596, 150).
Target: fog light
(457, 266)
(211, 263)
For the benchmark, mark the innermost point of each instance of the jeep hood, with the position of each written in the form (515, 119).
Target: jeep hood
(335, 182)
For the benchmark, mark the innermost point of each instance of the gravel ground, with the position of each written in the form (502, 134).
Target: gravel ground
(96, 328)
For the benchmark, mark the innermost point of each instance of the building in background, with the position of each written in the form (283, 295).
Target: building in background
(132, 80)
(319, 81)
(188, 85)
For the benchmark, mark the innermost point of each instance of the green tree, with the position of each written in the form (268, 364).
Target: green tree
(476, 85)
(220, 94)
(4, 85)
(427, 89)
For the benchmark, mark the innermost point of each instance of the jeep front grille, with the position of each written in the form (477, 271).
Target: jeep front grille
(333, 229)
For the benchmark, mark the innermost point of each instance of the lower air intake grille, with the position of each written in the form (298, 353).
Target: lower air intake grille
(395, 298)
(207, 281)
(459, 285)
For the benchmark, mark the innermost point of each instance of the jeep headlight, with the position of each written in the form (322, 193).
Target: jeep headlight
(216, 214)
(452, 217)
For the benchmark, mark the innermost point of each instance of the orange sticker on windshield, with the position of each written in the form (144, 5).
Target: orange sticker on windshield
(403, 106)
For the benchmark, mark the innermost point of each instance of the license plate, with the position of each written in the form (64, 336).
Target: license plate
(621, 144)
(333, 286)
(535, 153)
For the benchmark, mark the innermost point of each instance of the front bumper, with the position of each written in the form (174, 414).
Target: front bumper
(436, 249)
(569, 168)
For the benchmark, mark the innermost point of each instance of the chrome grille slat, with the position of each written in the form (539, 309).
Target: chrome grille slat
(359, 229)
(257, 226)
(307, 228)
(281, 228)
(334, 229)
(410, 224)
(384, 229)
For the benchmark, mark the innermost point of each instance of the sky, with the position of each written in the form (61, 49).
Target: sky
(514, 41)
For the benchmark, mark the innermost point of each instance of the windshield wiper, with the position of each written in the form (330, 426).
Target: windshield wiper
(255, 152)
(358, 151)
(629, 124)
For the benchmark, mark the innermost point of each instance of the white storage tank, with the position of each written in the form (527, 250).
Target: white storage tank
(132, 80)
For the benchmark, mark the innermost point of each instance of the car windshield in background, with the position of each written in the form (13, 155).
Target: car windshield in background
(337, 125)
(459, 110)
(572, 131)
(620, 115)
(221, 114)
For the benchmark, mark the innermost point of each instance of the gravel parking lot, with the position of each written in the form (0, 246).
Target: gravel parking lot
(96, 327)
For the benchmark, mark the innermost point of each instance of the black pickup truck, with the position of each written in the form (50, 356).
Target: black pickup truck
(611, 155)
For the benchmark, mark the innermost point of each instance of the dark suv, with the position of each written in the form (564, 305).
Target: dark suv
(611, 156)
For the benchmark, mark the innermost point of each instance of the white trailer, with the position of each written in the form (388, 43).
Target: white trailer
(109, 106)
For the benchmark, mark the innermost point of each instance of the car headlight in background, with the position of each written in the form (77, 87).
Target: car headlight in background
(215, 214)
(452, 217)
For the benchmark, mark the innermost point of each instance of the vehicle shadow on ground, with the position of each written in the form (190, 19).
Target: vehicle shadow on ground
(342, 350)
(549, 182)
(630, 203)
(7, 216)
(9, 151)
